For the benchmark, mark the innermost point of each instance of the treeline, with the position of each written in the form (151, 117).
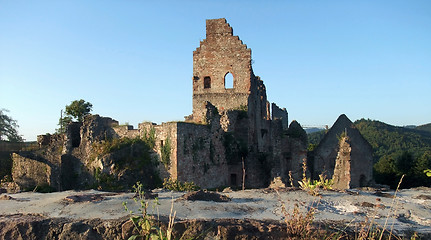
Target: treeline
(397, 151)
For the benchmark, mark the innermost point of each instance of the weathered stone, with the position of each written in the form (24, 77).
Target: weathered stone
(360, 154)
(341, 177)
(29, 173)
(38, 227)
(231, 138)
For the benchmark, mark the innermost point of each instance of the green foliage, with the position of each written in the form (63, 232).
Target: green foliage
(150, 137)
(296, 131)
(386, 139)
(128, 154)
(242, 111)
(175, 185)
(313, 186)
(105, 181)
(166, 152)
(78, 109)
(425, 127)
(311, 147)
(116, 144)
(315, 137)
(235, 148)
(342, 136)
(146, 224)
(8, 128)
(63, 122)
(398, 151)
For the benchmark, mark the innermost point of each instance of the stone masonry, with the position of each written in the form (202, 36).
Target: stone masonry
(234, 136)
(344, 155)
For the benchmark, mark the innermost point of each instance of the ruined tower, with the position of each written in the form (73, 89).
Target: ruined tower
(219, 57)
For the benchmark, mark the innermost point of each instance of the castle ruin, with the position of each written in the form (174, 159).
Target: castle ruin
(234, 136)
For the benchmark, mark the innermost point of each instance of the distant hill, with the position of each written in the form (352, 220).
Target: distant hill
(425, 127)
(397, 151)
(387, 139)
(312, 130)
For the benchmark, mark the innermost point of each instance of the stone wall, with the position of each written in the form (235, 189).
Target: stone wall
(29, 173)
(201, 156)
(361, 160)
(230, 135)
(280, 114)
(290, 151)
(127, 131)
(219, 54)
(6, 150)
(342, 170)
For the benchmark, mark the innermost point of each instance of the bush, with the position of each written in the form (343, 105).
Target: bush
(175, 185)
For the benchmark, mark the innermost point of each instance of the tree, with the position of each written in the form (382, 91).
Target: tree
(8, 128)
(404, 163)
(63, 121)
(79, 109)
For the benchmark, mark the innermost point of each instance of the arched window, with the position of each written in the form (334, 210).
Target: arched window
(207, 82)
(228, 80)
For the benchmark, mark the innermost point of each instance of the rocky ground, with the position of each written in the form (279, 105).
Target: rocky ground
(246, 214)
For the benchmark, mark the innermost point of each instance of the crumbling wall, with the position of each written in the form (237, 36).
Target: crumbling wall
(325, 154)
(165, 146)
(218, 55)
(342, 170)
(289, 152)
(126, 131)
(230, 130)
(41, 166)
(280, 114)
(201, 155)
(29, 173)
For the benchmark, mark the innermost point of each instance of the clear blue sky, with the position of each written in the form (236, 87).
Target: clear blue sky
(133, 59)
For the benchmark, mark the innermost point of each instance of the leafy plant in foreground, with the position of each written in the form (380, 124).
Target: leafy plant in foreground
(313, 186)
(145, 224)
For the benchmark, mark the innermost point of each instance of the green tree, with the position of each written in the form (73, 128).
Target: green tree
(63, 121)
(422, 163)
(8, 128)
(78, 109)
(385, 170)
(405, 163)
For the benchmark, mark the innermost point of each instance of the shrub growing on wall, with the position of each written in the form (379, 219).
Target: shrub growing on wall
(165, 150)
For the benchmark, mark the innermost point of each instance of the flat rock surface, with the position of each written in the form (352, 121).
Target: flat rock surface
(410, 210)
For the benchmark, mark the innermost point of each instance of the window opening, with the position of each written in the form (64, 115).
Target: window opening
(228, 80)
(207, 82)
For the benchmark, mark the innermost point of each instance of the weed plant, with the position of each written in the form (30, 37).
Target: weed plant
(175, 185)
(312, 186)
(145, 224)
(301, 225)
